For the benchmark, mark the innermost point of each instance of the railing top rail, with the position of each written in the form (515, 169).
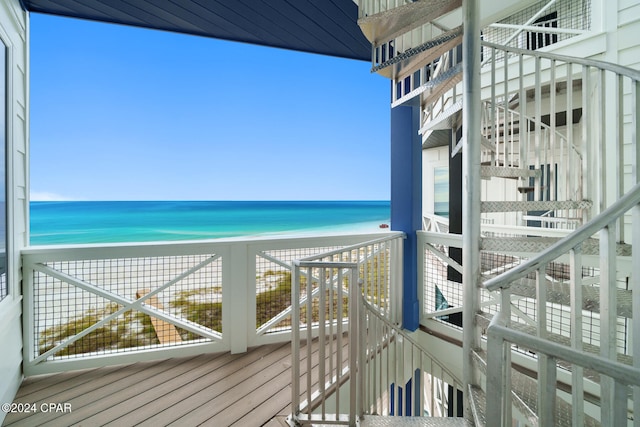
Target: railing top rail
(561, 247)
(392, 235)
(187, 247)
(327, 264)
(618, 69)
(619, 371)
(538, 123)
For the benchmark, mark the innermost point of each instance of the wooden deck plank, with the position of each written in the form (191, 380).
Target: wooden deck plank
(66, 390)
(157, 391)
(234, 402)
(176, 394)
(88, 392)
(42, 382)
(115, 395)
(202, 397)
(279, 402)
(250, 389)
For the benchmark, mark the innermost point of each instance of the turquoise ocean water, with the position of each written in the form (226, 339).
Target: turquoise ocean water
(143, 221)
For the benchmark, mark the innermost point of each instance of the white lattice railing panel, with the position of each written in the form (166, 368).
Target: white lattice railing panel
(90, 306)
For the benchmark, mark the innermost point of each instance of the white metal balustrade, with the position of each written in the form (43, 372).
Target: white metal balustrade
(88, 306)
(616, 380)
(382, 370)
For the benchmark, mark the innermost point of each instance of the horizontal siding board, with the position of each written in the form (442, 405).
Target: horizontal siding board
(12, 31)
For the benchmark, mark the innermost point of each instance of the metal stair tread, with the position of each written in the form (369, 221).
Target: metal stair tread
(443, 81)
(542, 205)
(403, 63)
(387, 24)
(508, 172)
(479, 358)
(526, 390)
(483, 319)
(444, 120)
(560, 293)
(477, 402)
(382, 421)
(437, 138)
(534, 244)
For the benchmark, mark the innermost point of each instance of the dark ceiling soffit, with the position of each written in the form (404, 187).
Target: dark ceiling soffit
(327, 27)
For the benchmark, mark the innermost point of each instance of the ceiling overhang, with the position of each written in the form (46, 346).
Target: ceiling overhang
(327, 27)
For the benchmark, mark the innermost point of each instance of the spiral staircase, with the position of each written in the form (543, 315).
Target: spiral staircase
(558, 152)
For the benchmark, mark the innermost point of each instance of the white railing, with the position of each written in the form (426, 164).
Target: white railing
(325, 285)
(394, 374)
(88, 306)
(399, 376)
(329, 291)
(441, 298)
(619, 384)
(541, 25)
(513, 141)
(590, 105)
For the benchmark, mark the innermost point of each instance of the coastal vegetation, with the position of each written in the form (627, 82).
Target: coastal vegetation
(135, 329)
(203, 306)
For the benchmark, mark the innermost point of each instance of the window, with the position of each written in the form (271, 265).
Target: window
(539, 40)
(441, 191)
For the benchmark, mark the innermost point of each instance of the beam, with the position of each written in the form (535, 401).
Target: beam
(406, 201)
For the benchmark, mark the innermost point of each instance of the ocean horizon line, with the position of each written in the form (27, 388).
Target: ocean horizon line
(68, 222)
(212, 200)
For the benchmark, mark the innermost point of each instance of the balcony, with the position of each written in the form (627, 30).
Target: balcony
(182, 332)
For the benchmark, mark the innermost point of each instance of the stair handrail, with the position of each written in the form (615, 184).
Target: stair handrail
(608, 66)
(542, 125)
(606, 217)
(407, 340)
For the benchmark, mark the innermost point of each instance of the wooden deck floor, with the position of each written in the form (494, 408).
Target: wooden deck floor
(249, 389)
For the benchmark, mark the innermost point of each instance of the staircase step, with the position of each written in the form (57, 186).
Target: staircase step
(433, 87)
(525, 206)
(524, 391)
(381, 421)
(404, 63)
(483, 320)
(477, 402)
(448, 119)
(479, 358)
(528, 189)
(437, 138)
(388, 24)
(535, 244)
(506, 172)
(560, 293)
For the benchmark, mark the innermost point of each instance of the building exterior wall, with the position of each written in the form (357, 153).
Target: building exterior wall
(14, 35)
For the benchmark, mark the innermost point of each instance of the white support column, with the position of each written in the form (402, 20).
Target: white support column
(471, 122)
(235, 300)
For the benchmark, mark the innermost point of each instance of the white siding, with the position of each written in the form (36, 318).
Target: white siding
(14, 33)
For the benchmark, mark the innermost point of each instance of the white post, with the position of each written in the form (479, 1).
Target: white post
(471, 186)
(235, 300)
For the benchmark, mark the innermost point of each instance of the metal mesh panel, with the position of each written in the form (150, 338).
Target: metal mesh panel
(4, 286)
(439, 292)
(374, 269)
(85, 305)
(563, 14)
(273, 285)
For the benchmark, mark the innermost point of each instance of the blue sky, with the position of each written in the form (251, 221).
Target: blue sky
(121, 113)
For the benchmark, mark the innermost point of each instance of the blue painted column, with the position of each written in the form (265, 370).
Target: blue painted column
(406, 201)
